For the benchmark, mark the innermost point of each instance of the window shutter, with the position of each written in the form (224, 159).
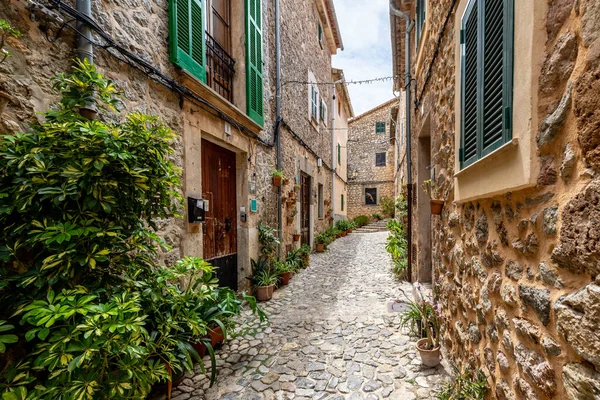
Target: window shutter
(342, 202)
(186, 36)
(380, 127)
(470, 85)
(494, 17)
(254, 61)
(339, 154)
(314, 97)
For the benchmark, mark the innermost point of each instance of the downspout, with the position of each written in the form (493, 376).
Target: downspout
(84, 49)
(333, 161)
(409, 25)
(278, 117)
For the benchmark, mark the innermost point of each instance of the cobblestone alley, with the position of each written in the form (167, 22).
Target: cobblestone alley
(330, 336)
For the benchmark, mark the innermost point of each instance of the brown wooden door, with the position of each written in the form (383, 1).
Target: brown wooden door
(220, 228)
(305, 208)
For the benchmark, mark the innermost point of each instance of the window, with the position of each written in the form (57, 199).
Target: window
(339, 154)
(486, 38)
(380, 159)
(320, 202)
(254, 61)
(371, 196)
(186, 36)
(314, 103)
(420, 19)
(323, 112)
(342, 203)
(320, 32)
(379, 127)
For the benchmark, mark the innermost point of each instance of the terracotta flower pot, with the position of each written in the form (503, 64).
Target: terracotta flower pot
(429, 358)
(200, 348)
(320, 247)
(285, 278)
(437, 206)
(296, 238)
(264, 293)
(216, 336)
(276, 181)
(4, 100)
(290, 220)
(344, 233)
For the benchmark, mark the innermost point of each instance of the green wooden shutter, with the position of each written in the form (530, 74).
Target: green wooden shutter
(186, 36)
(497, 75)
(380, 127)
(254, 61)
(339, 154)
(342, 202)
(469, 92)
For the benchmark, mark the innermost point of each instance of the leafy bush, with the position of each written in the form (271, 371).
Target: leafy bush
(268, 239)
(388, 206)
(377, 217)
(362, 220)
(468, 385)
(397, 246)
(401, 207)
(97, 317)
(342, 225)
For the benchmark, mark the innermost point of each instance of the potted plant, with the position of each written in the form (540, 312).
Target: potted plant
(285, 270)
(292, 214)
(424, 321)
(320, 242)
(277, 177)
(377, 217)
(431, 191)
(296, 236)
(296, 188)
(304, 252)
(265, 282)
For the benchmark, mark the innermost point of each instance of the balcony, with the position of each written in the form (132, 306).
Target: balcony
(220, 68)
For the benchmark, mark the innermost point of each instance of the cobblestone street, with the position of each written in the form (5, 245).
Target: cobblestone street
(330, 336)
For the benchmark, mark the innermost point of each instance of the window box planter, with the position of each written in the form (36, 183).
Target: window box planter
(437, 206)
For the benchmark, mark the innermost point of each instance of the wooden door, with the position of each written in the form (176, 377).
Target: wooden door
(220, 228)
(305, 191)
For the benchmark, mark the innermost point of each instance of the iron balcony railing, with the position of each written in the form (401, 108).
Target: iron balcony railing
(220, 68)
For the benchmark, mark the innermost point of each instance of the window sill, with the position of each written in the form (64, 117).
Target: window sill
(506, 147)
(207, 93)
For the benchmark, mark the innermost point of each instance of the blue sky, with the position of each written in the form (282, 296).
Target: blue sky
(368, 54)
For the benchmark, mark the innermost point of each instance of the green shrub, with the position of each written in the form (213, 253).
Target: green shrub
(362, 220)
(397, 246)
(96, 315)
(377, 217)
(269, 241)
(388, 206)
(468, 385)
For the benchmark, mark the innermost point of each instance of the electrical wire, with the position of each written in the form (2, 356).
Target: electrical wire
(148, 69)
(361, 82)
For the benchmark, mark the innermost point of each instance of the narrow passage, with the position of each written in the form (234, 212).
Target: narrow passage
(331, 336)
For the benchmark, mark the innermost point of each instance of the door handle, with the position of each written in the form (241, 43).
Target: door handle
(227, 224)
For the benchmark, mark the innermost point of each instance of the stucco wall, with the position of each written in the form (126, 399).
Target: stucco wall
(514, 271)
(363, 144)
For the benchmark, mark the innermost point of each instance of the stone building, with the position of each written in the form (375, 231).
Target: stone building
(372, 158)
(309, 37)
(510, 138)
(208, 69)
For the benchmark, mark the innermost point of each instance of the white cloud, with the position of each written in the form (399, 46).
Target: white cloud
(366, 35)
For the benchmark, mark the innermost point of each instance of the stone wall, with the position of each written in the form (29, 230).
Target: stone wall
(363, 144)
(518, 274)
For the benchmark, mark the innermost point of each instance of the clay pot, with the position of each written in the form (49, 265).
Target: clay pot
(4, 100)
(176, 380)
(277, 181)
(216, 336)
(200, 348)
(320, 247)
(437, 206)
(264, 293)
(429, 358)
(290, 220)
(296, 238)
(344, 233)
(285, 278)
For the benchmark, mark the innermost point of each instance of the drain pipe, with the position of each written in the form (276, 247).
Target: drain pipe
(409, 25)
(278, 117)
(84, 49)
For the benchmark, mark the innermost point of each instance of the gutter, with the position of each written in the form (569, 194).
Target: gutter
(278, 118)
(408, 81)
(84, 49)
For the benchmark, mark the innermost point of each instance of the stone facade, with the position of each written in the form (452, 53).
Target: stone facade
(364, 143)
(143, 28)
(516, 271)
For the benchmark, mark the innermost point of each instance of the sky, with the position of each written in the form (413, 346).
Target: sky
(367, 50)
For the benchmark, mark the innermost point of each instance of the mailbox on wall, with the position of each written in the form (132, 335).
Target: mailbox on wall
(196, 210)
